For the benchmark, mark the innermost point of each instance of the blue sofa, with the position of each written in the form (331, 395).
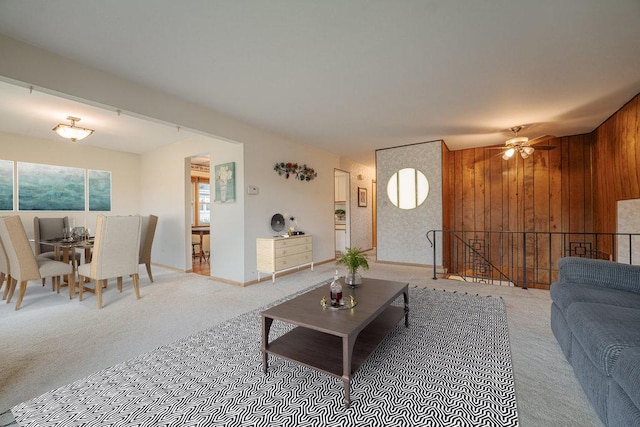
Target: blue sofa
(595, 316)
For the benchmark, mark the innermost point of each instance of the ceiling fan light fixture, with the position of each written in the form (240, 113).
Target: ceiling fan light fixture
(522, 144)
(509, 153)
(517, 140)
(72, 132)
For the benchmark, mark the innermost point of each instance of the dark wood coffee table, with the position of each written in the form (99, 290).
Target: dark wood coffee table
(336, 342)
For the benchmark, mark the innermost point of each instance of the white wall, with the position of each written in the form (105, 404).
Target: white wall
(402, 233)
(311, 202)
(158, 183)
(124, 167)
(165, 180)
(235, 226)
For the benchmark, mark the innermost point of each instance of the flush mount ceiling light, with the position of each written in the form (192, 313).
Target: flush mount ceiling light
(72, 132)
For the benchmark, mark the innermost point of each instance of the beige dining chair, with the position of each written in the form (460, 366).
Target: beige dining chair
(148, 231)
(5, 274)
(23, 264)
(206, 246)
(49, 229)
(116, 252)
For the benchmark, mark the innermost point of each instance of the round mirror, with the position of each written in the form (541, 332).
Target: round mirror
(408, 188)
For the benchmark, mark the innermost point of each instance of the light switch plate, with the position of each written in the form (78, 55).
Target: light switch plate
(252, 189)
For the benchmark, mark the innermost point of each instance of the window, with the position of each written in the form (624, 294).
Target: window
(201, 196)
(408, 188)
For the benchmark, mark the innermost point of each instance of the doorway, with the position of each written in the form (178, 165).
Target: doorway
(342, 211)
(374, 214)
(200, 214)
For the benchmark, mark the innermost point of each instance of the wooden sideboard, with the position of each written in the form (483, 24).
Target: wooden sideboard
(278, 254)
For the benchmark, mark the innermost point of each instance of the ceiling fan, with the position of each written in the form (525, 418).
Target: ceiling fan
(523, 145)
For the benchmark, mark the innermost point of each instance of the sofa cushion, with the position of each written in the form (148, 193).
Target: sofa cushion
(596, 272)
(621, 410)
(563, 294)
(627, 373)
(604, 331)
(594, 383)
(561, 330)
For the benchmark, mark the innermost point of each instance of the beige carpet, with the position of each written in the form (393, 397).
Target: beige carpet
(52, 341)
(455, 349)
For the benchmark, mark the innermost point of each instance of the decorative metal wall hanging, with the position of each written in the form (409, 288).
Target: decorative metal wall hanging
(300, 172)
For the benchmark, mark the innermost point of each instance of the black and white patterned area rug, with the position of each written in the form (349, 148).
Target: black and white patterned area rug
(450, 367)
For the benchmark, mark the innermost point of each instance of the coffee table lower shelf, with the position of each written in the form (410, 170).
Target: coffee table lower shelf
(324, 352)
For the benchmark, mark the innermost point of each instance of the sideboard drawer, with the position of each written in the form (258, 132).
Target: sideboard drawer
(287, 242)
(293, 250)
(293, 260)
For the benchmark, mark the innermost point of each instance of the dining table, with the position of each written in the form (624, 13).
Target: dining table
(65, 251)
(201, 231)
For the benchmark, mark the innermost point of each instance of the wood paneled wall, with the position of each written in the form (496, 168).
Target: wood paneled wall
(549, 191)
(572, 188)
(616, 164)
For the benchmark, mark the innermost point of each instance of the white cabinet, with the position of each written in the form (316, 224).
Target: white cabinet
(277, 254)
(341, 238)
(340, 188)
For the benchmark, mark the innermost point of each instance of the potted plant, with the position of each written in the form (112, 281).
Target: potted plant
(353, 259)
(340, 214)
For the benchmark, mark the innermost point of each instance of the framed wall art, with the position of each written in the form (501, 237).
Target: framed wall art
(99, 183)
(362, 197)
(50, 188)
(225, 182)
(6, 185)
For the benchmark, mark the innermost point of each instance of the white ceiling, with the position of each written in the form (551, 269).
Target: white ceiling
(35, 113)
(352, 76)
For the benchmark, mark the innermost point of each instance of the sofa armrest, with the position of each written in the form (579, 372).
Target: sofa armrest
(595, 272)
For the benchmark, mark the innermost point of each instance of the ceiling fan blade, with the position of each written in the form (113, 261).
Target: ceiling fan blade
(545, 147)
(540, 139)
